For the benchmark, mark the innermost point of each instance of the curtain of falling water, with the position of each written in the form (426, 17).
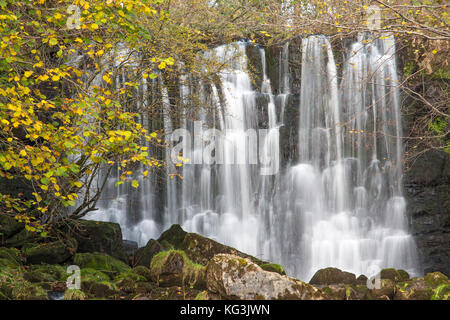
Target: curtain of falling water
(339, 204)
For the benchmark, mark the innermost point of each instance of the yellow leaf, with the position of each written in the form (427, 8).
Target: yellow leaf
(107, 78)
(162, 65)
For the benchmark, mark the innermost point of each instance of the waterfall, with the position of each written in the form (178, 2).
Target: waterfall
(338, 203)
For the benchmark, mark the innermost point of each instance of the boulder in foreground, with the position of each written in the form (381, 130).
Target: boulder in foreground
(233, 277)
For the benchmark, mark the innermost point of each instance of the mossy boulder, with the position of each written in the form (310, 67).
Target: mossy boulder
(174, 235)
(143, 256)
(45, 273)
(75, 294)
(143, 271)
(27, 291)
(414, 289)
(386, 290)
(329, 276)
(174, 268)
(50, 252)
(128, 282)
(233, 277)
(22, 238)
(403, 275)
(390, 274)
(89, 274)
(14, 287)
(273, 267)
(436, 278)
(345, 292)
(101, 262)
(10, 257)
(97, 284)
(98, 236)
(9, 226)
(100, 289)
(361, 280)
(201, 250)
(35, 276)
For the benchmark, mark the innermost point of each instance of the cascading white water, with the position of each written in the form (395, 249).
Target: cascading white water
(338, 204)
(347, 186)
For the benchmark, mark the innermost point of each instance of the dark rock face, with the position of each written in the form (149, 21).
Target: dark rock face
(427, 189)
(97, 236)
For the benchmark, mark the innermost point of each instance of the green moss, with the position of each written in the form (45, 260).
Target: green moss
(55, 270)
(442, 292)
(38, 276)
(202, 296)
(100, 289)
(130, 276)
(101, 262)
(403, 274)
(74, 294)
(174, 235)
(89, 274)
(52, 252)
(436, 278)
(191, 273)
(10, 257)
(143, 271)
(273, 267)
(24, 290)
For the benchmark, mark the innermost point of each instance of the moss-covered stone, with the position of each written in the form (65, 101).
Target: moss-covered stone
(100, 289)
(233, 277)
(51, 252)
(143, 256)
(11, 254)
(89, 274)
(98, 236)
(36, 276)
(361, 280)
(403, 275)
(174, 235)
(414, 289)
(329, 276)
(21, 238)
(24, 290)
(101, 262)
(273, 267)
(201, 249)
(143, 271)
(74, 294)
(9, 226)
(128, 282)
(386, 291)
(436, 278)
(391, 274)
(174, 268)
